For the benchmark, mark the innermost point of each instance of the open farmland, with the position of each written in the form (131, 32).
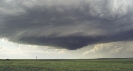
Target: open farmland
(67, 65)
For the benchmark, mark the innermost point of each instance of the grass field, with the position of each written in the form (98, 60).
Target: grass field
(67, 65)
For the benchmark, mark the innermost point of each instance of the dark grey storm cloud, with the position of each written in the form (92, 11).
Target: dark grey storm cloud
(66, 24)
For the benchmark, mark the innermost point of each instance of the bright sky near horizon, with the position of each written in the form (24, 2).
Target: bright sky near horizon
(66, 29)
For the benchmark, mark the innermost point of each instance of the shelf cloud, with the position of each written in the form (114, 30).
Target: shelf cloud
(66, 24)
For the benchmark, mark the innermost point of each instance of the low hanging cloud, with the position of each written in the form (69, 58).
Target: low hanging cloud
(66, 24)
(113, 49)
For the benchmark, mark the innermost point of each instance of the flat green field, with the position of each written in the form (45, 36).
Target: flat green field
(67, 65)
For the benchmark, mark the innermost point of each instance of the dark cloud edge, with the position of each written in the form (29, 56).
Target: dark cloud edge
(74, 42)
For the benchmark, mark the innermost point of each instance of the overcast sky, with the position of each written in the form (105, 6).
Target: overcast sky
(66, 29)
